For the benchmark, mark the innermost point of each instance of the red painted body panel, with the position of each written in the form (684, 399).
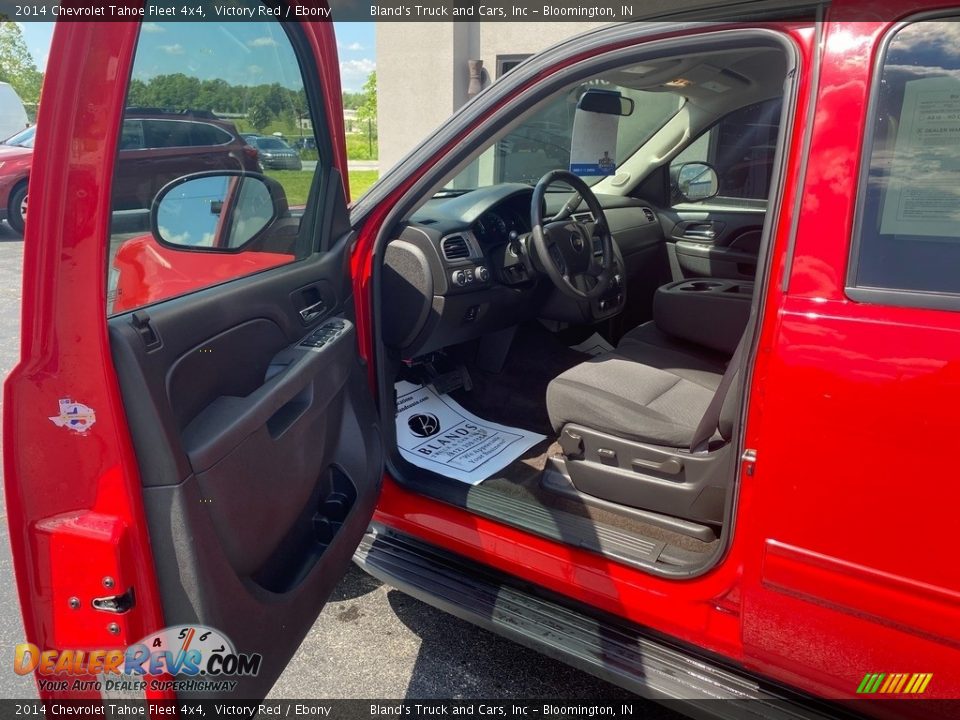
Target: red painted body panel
(74, 502)
(148, 271)
(51, 471)
(853, 418)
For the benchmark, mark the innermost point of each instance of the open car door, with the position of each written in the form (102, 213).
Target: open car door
(190, 440)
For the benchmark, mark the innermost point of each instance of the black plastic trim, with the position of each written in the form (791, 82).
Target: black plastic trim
(609, 647)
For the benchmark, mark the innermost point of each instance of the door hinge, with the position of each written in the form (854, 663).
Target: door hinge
(118, 604)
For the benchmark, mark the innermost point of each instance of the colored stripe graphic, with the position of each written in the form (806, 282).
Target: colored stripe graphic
(894, 683)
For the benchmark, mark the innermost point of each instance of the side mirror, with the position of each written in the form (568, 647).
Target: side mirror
(218, 211)
(694, 181)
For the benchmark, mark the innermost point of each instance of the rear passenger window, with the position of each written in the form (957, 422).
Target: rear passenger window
(909, 211)
(195, 203)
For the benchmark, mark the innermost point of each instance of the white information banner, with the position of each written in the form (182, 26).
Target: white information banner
(922, 195)
(435, 433)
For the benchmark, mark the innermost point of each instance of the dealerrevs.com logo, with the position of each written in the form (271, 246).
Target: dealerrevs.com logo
(182, 658)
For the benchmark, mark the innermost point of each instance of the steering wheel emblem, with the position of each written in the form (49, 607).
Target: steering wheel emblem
(577, 241)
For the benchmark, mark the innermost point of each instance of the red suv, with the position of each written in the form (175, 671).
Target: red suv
(157, 146)
(664, 419)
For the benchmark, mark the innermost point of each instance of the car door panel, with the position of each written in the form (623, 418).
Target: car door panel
(218, 474)
(269, 454)
(717, 242)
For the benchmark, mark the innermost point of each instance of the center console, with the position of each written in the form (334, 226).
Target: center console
(711, 312)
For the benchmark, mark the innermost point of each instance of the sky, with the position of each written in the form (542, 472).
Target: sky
(355, 44)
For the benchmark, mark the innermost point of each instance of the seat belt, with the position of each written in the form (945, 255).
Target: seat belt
(711, 418)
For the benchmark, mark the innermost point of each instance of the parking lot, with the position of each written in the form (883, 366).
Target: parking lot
(370, 642)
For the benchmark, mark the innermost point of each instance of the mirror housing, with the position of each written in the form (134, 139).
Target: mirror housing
(605, 102)
(222, 211)
(694, 182)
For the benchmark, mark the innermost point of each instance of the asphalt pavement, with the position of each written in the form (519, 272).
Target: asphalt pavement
(371, 641)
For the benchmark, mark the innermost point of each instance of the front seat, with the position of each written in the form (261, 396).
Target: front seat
(652, 388)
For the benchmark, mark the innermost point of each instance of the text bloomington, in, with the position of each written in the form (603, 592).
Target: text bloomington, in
(501, 11)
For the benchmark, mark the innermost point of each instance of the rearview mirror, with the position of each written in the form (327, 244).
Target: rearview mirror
(605, 102)
(694, 181)
(219, 211)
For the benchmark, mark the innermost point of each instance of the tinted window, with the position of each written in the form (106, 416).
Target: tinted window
(204, 134)
(542, 142)
(272, 144)
(131, 135)
(910, 195)
(190, 96)
(741, 147)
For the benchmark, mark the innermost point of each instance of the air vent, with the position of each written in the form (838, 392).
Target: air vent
(455, 248)
(648, 214)
(583, 217)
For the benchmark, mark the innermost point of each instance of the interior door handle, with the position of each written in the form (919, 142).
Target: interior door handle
(312, 312)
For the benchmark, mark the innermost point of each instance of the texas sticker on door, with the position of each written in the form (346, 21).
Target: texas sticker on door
(435, 433)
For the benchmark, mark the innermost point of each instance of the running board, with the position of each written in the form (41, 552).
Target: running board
(607, 647)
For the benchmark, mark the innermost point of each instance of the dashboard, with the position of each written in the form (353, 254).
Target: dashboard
(463, 267)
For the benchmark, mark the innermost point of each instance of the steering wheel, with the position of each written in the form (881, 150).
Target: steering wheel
(565, 247)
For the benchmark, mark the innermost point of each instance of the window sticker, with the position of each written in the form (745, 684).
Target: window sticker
(922, 195)
(593, 147)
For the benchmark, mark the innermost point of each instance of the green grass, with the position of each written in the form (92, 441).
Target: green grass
(361, 180)
(296, 183)
(358, 147)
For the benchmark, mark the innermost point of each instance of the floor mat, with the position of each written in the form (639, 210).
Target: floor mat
(517, 394)
(435, 433)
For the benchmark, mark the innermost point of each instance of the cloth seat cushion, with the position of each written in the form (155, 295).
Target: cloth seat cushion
(650, 389)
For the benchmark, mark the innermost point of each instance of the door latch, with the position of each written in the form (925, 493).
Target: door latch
(117, 604)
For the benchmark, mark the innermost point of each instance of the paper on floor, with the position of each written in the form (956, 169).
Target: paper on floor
(593, 345)
(435, 433)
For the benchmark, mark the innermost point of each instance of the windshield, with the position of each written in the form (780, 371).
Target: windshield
(24, 138)
(271, 144)
(542, 142)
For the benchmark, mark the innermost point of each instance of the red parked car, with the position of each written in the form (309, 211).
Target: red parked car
(714, 499)
(16, 154)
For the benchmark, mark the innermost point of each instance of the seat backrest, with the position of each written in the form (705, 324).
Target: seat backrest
(720, 413)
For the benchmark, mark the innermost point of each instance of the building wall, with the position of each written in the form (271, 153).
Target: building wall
(422, 73)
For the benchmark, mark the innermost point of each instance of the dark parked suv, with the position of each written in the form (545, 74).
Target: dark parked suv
(157, 146)
(275, 153)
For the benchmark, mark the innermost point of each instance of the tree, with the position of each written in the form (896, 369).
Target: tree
(259, 114)
(367, 109)
(367, 112)
(16, 64)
